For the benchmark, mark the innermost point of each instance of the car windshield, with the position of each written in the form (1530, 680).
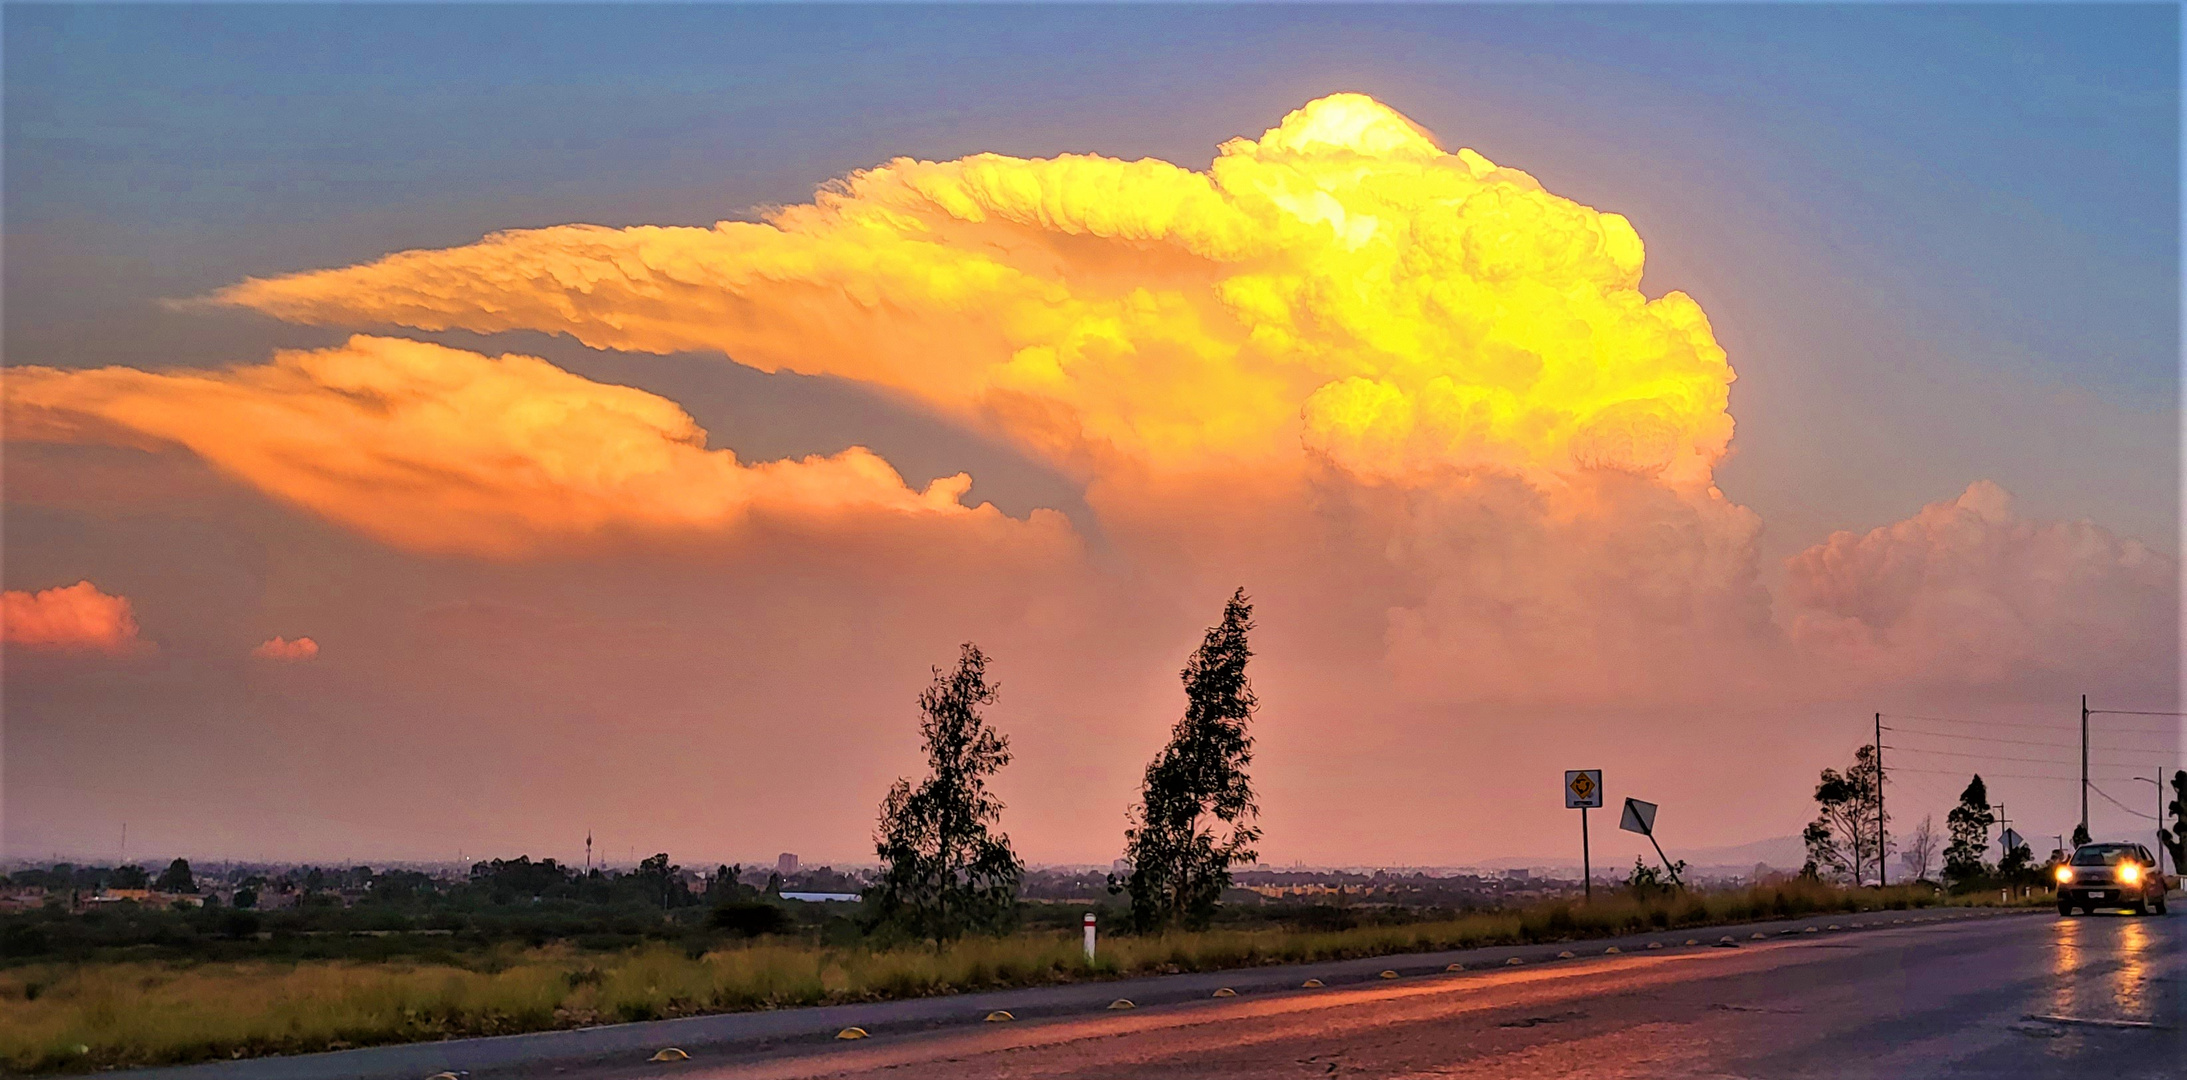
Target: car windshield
(2103, 856)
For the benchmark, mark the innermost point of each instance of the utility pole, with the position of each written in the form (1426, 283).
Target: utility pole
(2084, 768)
(1881, 856)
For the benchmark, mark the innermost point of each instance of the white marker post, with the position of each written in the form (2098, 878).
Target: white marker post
(1089, 937)
(1583, 789)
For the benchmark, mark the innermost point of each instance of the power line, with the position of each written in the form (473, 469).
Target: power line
(2033, 742)
(2130, 712)
(1990, 776)
(2000, 723)
(2122, 806)
(1993, 757)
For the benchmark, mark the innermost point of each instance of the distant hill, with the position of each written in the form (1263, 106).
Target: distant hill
(1781, 852)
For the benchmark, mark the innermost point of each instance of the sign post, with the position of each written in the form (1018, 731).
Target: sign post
(1089, 937)
(1583, 789)
(1640, 818)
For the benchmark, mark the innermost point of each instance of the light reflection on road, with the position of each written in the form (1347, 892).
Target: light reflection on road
(2065, 956)
(2129, 993)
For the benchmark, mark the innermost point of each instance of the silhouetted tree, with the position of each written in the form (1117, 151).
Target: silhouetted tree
(944, 870)
(1195, 817)
(176, 878)
(129, 877)
(1969, 824)
(1842, 841)
(660, 882)
(2080, 834)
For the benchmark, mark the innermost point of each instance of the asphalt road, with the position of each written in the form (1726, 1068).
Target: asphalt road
(1900, 995)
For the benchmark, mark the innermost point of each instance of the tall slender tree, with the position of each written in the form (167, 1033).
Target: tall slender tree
(1969, 824)
(945, 870)
(1842, 840)
(1195, 818)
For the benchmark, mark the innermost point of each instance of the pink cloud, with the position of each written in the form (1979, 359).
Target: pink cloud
(75, 617)
(286, 651)
(1968, 590)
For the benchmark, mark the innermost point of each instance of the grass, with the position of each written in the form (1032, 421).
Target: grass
(77, 1017)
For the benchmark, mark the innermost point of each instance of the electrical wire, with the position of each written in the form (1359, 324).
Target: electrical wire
(2120, 805)
(2000, 723)
(2093, 745)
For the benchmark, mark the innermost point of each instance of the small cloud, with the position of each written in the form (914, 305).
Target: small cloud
(73, 618)
(286, 651)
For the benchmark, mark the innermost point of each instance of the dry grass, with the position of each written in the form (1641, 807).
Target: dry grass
(74, 1017)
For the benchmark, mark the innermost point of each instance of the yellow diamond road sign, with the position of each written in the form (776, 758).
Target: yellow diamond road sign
(1582, 787)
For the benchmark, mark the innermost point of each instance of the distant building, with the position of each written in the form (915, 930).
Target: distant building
(786, 864)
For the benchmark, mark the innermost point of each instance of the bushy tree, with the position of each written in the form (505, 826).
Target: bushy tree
(1195, 818)
(1842, 841)
(1969, 824)
(660, 882)
(130, 877)
(945, 870)
(176, 878)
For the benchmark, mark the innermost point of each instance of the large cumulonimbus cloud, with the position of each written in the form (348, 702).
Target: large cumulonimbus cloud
(1412, 384)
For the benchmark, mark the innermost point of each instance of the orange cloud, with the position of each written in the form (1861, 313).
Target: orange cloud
(74, 617)
(440, 450)
(1967, 590)
(1340, 289)
(286, 651)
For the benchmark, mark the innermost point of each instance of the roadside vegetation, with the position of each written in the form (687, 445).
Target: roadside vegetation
(116, 1012)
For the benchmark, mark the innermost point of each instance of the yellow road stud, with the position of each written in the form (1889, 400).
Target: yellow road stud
(1225, 992)
(1310, 984)
(1759, 937)
(1455, 967)
(1612, 951)
(851, 1033)
(1566, 955)
(1693, 941)
(1655, 944)
(670, 1054)
(1514, 962)
(1122, 1003)
(999, 1015)
(1389, 974)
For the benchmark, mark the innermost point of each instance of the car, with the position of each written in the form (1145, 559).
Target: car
(2113, 876)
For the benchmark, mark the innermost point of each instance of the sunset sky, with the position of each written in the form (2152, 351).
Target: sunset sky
(438, 430)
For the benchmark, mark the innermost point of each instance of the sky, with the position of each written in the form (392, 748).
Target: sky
(402, 463)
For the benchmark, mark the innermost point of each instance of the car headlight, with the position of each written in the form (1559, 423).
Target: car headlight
(2129, 873)
(2065, 874)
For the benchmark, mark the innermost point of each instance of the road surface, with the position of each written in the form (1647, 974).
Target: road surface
(1899, 995)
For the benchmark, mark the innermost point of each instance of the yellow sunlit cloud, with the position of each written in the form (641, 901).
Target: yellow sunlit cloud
(1339, 286)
